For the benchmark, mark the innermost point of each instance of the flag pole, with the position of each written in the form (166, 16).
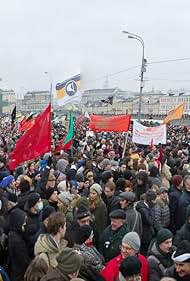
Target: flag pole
(125, 145)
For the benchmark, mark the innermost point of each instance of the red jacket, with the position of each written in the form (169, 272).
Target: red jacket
(111, 271)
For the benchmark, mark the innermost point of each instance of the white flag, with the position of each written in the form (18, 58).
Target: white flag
(69, 91)
(148, 135)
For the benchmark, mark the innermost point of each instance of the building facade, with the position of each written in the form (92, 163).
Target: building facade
(34, 101)
(7, 101)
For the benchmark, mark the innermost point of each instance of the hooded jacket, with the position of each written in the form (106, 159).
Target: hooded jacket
(18, 252)
(158, 263)
(48, 249)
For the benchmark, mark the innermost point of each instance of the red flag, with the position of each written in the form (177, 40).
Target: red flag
(120, 123)
(35, 142)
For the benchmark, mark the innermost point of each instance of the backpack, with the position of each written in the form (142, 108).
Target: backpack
(3, 275)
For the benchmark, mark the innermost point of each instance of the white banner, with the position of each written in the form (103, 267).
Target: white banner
(148, 135)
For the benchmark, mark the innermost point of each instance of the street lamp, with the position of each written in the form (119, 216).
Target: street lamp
(143, 68)
(50, 91)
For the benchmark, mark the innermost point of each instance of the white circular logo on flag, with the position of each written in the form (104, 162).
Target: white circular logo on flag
(71, 88)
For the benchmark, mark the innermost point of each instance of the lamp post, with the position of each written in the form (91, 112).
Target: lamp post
(50, 91)
(143, 68)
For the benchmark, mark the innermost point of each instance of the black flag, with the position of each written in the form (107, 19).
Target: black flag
(108, 100)
(13, 115)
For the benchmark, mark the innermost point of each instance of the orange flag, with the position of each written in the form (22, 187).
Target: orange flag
(174, 114)
(120, 123)
(35, 142)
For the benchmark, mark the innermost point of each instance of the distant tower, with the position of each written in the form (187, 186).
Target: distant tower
(106, 83)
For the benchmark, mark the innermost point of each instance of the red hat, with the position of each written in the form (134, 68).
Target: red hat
(177, 179)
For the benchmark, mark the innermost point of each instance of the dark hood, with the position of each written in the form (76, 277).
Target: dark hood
(17, 218)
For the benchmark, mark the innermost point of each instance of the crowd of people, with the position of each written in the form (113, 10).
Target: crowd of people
(102, 211)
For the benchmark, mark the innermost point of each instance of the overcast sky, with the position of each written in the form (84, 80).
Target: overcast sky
(65, 37)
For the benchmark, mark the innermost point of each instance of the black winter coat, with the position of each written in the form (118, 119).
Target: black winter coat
(147, 216)
(182, 234)
(18, 253)
(184, 201)
(31, 229)
(174, 196)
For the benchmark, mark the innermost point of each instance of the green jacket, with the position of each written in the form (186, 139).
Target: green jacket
(109, 244)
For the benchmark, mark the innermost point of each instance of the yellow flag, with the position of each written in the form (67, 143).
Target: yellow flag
(174, 114)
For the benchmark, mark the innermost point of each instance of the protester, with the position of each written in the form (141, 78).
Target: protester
(97, 207)
(129, 269)
(159, 254)
(68, 266)
(49, 245)
(112, 236)
(181, 258)
(145, 208)
(84, 244)
(161, 210)
(18, 252)
(175, 193)
(184, 201)
(184, 232)
(130, 246)
(133, 217)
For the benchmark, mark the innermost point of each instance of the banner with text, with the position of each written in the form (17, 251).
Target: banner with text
(148, 135)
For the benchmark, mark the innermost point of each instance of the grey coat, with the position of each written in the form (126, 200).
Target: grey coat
(161, 214)
(133, 220)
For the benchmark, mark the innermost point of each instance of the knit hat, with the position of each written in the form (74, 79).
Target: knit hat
(129, 196)
(65, 197)
(32, 200)
(47, 211)
(82, 212)
(97, 188)
(133, 240)
(163, 235)
(118, 214)
(177, 179)
(182, 254)
(129, 266)
(69, 261)
(6, 181)
(49, 192)
(82, 234)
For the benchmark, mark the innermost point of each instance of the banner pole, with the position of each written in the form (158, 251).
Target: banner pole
(124, 149)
